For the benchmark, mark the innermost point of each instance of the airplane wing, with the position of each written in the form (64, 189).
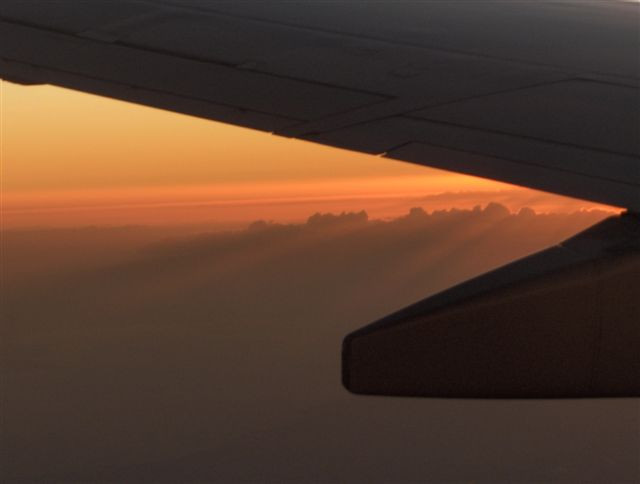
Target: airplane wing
(543, 94)
(534, 93)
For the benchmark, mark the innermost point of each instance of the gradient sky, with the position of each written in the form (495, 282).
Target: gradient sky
(142, 353)
(70, 158)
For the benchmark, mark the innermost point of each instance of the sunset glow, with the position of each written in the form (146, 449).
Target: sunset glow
(75, 159)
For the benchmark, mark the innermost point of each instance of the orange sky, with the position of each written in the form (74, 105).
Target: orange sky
(70, 158)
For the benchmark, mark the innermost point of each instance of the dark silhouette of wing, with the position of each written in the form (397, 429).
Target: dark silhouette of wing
(564, 322)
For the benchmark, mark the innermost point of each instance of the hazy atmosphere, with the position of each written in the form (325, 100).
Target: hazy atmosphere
(140, 353)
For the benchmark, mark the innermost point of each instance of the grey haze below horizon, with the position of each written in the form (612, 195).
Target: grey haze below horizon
(216, 357)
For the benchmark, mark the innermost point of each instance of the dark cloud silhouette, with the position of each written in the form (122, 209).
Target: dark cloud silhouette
(215, 357)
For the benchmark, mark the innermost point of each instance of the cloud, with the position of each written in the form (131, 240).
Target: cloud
(215, 356)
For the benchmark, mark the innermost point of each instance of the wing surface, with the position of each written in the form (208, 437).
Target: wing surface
(539, 94)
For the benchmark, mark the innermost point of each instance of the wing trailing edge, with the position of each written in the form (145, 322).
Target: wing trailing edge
(464, 86)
